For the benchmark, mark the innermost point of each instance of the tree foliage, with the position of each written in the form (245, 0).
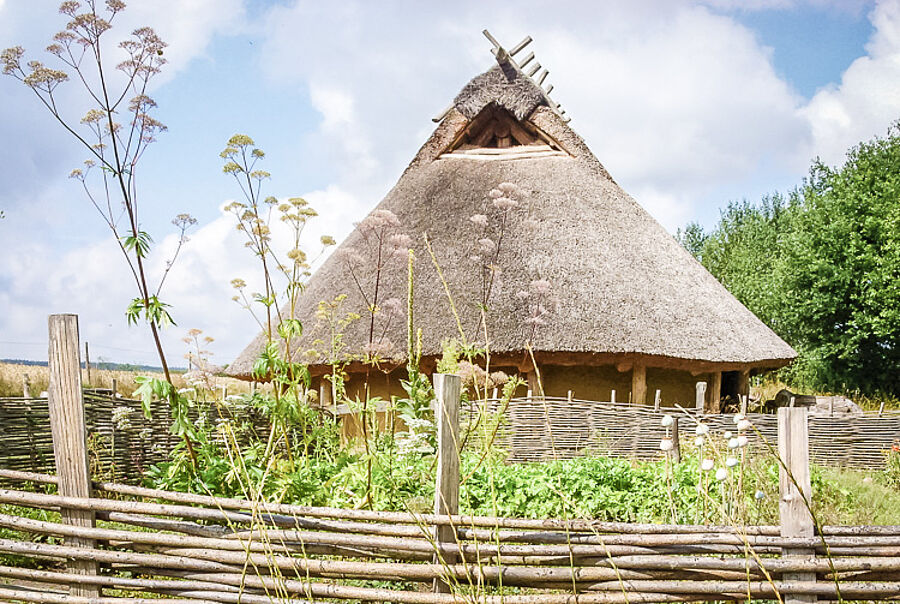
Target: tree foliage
(821, 266)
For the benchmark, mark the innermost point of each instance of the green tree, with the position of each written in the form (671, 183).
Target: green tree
(822, 267)
(841, 271)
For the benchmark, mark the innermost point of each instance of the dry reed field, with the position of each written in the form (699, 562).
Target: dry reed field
(12, 380)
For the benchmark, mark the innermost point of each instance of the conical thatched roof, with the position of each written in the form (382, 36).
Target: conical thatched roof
(621, 285)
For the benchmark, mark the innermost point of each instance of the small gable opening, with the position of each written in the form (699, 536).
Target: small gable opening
(497, 128)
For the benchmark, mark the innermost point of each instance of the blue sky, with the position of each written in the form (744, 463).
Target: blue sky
(688, 104)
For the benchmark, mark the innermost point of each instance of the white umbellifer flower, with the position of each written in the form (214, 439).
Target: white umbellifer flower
(721, 474)
(737, 418)
(121, 417)
(759, 495)
(742, 441)
(731, 462)
(732, 443)
(701, 429)
(727, 435)
(665, 444)
(698, 442)
(667, 420)
(706, 465)
(744, 424)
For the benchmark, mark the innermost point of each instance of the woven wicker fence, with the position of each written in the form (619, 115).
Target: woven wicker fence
(121, 449)
(205, 549)
(540, 429)
(536, 429)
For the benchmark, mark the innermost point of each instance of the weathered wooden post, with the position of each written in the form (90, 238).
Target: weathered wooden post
(676, 442)
(700, 397)
(115, 388)
(87, 363)
(67, 425)
(26, 387)
(638, 384)
(446, 493)
(656, 400)
(795, 491)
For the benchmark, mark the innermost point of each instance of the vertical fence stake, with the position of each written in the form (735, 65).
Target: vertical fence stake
(676, 442)
(612, 396)
(87, 363)
(446, 493)
(656, 400)
(115, 388)
(67, 425)
(26, 387)
(795, 491)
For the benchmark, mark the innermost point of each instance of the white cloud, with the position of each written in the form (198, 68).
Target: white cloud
(670, 96)
(94, 282)
(867, 99)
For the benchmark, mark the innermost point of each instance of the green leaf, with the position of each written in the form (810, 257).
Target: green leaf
(139, 244)
(290, 328)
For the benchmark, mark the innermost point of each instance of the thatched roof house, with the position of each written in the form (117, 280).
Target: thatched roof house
(606, 297)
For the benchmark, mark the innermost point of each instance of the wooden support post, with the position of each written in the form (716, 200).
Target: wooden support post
(115, 388)
(447, 390)
(325, 393)
(638, 384)
(714, 394)
(700, 397)
(656, 400)
(795, 490)
(495, 394)
(26, 387)
(743, 384)
(87, 363)
(745, 402)
(224, 392)
(67, 426)
(534, 384)
(612, 396)
(676, 442)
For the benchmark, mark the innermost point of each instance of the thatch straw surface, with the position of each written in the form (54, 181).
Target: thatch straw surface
(621, 284)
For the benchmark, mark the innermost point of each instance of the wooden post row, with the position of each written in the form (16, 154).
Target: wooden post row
(447, 390)
(795, 490)
(67, 426)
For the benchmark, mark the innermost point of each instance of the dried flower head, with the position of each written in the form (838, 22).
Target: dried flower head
(479, 219)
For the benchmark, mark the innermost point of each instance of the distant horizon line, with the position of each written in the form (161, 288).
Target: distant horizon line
(104, 365)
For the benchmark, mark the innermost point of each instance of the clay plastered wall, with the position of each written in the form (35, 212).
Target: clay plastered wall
(587, 383)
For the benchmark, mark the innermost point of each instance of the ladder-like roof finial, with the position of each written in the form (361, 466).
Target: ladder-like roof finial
(528, 66)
